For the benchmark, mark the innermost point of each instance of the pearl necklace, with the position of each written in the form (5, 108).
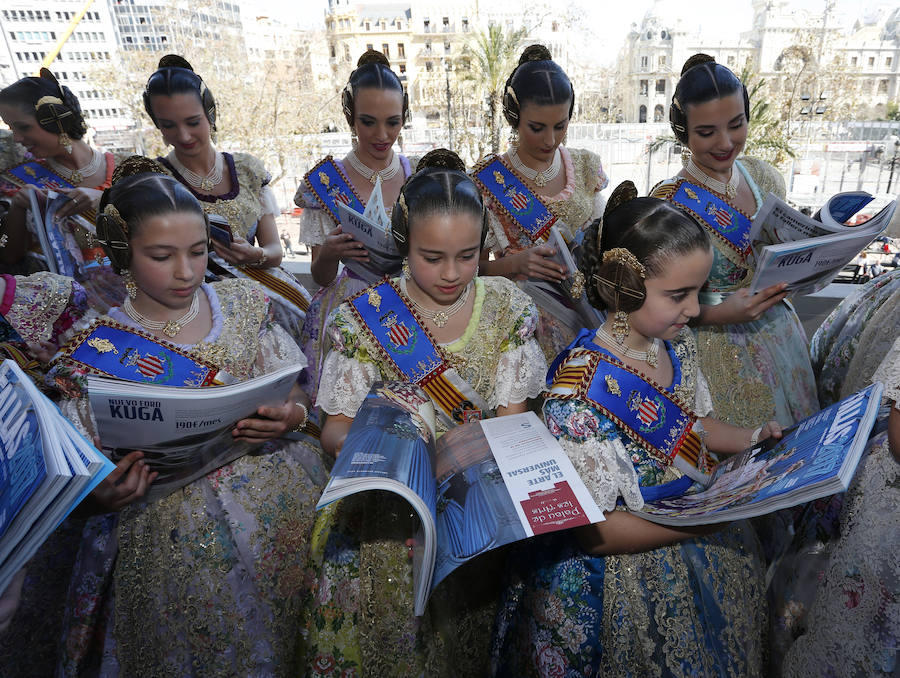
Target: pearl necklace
(204, 183)
(77, 175)
(386, 174)
(650, 356)
(729, 189)
(540, 179)
(442, 316)
(169, 327)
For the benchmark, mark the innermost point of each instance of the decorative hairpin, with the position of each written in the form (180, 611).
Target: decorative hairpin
(626, 258)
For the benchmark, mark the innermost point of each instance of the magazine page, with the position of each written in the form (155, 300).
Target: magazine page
(373, 230)
(184, 432)
(815, 458)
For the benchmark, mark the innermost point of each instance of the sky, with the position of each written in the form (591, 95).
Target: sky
(608, 22)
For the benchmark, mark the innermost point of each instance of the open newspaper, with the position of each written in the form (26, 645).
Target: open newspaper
(808, 252)
(477, 487)
(372, 228)
(815, 458)
(46, 469)
(184, 432)
(566, 300)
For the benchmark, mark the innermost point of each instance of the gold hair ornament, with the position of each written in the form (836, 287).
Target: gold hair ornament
(111, 213)
(624, 256)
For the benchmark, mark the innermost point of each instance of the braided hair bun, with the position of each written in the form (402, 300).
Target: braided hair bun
(535, 53)
(536, 79)
(702, 80)
(696, 60)
(373, 70)
(373, 56)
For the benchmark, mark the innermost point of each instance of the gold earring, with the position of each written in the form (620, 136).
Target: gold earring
(620, 327)
(130, 286)
(354, 139)
(513, 140)
(65, 142)
(407, 273)
(685, 156)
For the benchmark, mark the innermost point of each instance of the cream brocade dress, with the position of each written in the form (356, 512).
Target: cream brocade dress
(211, 579)
(362, 620)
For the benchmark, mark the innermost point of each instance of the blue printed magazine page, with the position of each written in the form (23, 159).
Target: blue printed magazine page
(373, 229)
(46, 469)
(479, 486)
(184, 432)
(815, 458)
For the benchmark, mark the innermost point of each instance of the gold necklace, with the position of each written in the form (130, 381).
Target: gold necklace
(77, 175)
(169, 327)
(650, 356)
(539, 178)
(442, 316)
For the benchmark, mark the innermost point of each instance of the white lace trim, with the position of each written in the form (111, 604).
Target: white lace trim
(277, 350)
(703, 404)
(348, 382)
(268, 202)
(315, 224)
(606, 469)
(521, 374)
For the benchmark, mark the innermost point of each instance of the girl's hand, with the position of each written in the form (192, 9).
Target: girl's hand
(81, 200)
(742, 307)
(240, 253)
(127, 483)
(771, 429)
(536, 263)
(272, 422)
(342, 246)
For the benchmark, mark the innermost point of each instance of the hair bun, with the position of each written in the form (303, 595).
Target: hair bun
(175, 61)
(535, 53)
(623, 193)
(696, 60)
(443, 158)
(47, 74)
(136, 164)
(373, 56)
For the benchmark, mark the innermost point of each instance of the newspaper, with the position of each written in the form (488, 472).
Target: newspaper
(184, 432)
(372, 228)
(55, 238)
(477, 487)
(808, 252)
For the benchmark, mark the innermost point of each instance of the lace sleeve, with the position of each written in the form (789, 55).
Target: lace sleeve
(703, 404)
(888, 372)
(520, 375)
(345, 383)
(79, 412)
(276, 350)
(315, 224)
(596, 451)
(268, 201)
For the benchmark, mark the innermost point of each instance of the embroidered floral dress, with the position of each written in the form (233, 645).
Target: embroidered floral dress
(104, 288)
(209, 580)
(248, 200)
(694, 608)
(315, 225)
(761, 369)
(576, 206)
(362, 620)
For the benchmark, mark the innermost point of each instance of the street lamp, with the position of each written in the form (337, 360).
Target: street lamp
(893, 163)
(449, 121)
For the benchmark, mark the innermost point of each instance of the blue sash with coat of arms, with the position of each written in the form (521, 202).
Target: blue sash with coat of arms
(725, 222)
(330, 186)
(523, 206)
(407, 346)
(110, 349)
(649, 414)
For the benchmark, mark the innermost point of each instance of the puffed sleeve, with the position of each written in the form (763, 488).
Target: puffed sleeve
(595, 447)
(277, 349)
(703, 404)
(348, 372)
(889, 374)
(315, 223)
(522, 367)
(42, 306)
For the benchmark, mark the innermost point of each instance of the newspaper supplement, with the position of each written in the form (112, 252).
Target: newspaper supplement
(372, 228)
(808, 252)
(184, 432)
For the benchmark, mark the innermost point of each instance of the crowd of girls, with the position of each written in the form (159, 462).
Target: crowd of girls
(237, 574)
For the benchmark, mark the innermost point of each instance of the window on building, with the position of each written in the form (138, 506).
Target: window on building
(730, 60)
(368, 26)
(465, 25)
(658, 113)
(429, 66)
(882, 86)
(661, 86)
(427, 24)
(446, 47)
(854, 61)
(428, 47)
(644, 85)
(645, 61)
(383, 25)
(871, 62)
(399, 25)
(402, 68)
(386, 50)
(333, 51)
(401, 50)
(369, 45)
(642, 114)
(888, 61)
(662, 61)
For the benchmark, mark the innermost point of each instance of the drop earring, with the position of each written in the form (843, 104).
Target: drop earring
(65, 142)
(685, 156)
(130, 286)
(407, 273)
(620, 327)
(513, 140)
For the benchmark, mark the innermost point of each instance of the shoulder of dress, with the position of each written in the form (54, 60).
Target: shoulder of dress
(664, 189)
(247, 296)
(766, 176)
(250, 164)
(503, 294)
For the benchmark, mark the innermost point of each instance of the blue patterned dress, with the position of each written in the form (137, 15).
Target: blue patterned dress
(693, 608)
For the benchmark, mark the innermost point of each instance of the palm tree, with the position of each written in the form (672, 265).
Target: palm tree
(492, 55)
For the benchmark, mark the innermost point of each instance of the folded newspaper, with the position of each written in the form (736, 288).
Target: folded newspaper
(815, 458)
(479, 486)
(808, 252)
(46, 469)
(184, 432)
(372, 228)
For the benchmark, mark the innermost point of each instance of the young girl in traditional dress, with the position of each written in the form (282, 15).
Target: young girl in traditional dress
(482, 328)
(627, 597)
(375, 106)
(232, 186)
(209, 579)
(543, 180)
